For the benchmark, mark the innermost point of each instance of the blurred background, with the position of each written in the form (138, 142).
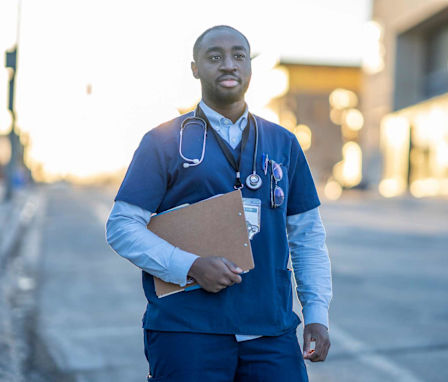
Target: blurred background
(362, 83)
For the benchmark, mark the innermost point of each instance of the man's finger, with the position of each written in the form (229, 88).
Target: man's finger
(229, 278)
(321, 350)
(326, 349)
(323, 344)
(317, 355)
(233, 278)
(325, 352)
(231, 265)
(314, 356)
(306, 343)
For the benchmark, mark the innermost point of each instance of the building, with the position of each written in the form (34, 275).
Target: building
(321, 107)
(405, 98)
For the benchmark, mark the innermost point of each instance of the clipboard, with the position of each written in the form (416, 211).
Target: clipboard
(212, 227)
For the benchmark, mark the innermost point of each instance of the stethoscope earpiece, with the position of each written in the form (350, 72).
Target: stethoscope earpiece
(195, 162)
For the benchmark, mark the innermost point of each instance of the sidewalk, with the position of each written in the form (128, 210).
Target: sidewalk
(15, 216)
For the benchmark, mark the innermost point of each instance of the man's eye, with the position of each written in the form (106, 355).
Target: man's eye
(215, 57)
(240, 56)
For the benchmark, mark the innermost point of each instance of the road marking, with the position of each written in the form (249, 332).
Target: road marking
(32, 245)
(362, 352)
(21, 218)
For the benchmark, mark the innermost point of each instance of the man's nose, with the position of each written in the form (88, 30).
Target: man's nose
(228, 64)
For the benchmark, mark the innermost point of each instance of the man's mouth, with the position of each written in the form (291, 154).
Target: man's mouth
(228, 82)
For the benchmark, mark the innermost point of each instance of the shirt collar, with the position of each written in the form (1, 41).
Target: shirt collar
(217, 120)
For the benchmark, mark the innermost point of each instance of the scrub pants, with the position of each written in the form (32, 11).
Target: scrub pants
(198, 357)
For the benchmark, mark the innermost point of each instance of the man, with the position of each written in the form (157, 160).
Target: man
(237, 327)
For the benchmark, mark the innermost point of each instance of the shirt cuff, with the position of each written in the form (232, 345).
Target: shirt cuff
(315, 314)
(180, 264)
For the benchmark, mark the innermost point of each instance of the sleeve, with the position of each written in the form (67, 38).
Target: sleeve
(146, 179)
(302, 195)
(311, 263)
(127, 234)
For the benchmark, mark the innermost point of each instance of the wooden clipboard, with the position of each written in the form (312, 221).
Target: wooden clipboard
(212, 227)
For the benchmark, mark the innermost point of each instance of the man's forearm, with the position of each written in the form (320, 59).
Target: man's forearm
(312, 270)
(127, 234)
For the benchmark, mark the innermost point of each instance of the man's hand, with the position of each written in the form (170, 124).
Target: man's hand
(215, 273)
(319, 333)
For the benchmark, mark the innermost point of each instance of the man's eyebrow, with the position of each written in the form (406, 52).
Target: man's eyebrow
(239, 47)
(219, 49)
(214, 49)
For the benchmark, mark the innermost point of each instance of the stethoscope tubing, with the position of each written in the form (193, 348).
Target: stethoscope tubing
(189, 162)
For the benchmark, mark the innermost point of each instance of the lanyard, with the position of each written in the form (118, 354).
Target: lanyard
(226, 151)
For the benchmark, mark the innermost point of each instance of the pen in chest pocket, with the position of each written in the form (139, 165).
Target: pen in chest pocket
(265, 160)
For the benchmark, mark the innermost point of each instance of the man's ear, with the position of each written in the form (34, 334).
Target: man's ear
(194, 69)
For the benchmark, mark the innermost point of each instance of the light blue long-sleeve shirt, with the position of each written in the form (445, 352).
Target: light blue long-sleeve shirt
(128, 236)
(231, 132)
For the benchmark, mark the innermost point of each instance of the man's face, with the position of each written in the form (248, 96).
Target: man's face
(223, 66)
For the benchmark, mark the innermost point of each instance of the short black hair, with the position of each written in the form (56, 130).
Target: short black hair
(197, 44)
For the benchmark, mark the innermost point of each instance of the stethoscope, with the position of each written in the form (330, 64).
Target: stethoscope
(253, 180)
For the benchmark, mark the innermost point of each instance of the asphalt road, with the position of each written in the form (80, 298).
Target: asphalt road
(389, 315)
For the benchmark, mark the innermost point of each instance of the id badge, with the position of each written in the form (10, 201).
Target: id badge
(252, 213)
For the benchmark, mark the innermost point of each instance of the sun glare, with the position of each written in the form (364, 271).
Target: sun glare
(91, 82)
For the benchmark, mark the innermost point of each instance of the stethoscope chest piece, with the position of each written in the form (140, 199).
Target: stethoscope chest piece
(253, 181)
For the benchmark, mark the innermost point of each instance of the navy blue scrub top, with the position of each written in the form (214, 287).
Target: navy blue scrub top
(157, 181)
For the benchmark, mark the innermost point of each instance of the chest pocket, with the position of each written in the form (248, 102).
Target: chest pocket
(270, 184)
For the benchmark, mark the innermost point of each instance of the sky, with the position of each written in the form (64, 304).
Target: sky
(95, 75)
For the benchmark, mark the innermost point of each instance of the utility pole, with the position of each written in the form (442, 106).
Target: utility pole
(11, 63)
(16, 147)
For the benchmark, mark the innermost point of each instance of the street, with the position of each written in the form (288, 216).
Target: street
(388, 318)
(389, 314)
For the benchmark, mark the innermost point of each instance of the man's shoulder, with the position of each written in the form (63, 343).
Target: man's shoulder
(168, 129)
